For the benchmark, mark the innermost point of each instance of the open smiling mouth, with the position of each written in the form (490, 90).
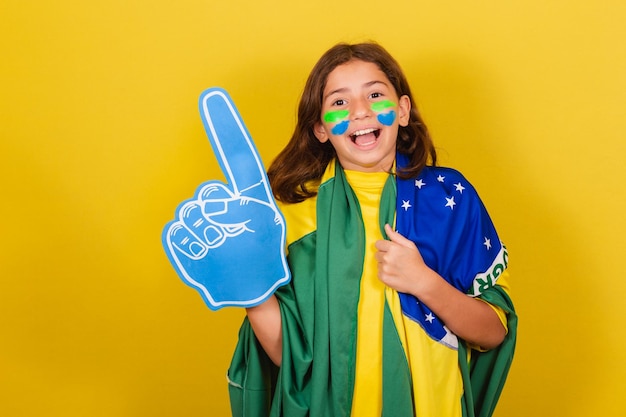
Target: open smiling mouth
(365, 136)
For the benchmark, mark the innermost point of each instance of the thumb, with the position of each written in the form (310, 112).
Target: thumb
(396, 237)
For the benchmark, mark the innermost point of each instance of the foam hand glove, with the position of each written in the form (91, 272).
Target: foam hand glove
(228, 242)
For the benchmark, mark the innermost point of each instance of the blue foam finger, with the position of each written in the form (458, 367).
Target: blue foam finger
(229, 240)
(232, 145)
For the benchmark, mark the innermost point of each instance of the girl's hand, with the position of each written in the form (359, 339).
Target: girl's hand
(401, 266)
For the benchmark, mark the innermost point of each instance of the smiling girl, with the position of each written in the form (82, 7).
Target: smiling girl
(415, 321)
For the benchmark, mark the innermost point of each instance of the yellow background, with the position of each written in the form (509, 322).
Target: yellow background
(101, 139)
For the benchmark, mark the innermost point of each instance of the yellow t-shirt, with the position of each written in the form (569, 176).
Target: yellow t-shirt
(367, 399)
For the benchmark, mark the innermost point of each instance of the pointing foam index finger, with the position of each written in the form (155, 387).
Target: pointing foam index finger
(232, 143)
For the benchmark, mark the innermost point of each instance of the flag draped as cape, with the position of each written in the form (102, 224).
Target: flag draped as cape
(319, 309)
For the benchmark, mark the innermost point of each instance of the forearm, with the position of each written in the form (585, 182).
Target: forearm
(469, 318)
(266, 322)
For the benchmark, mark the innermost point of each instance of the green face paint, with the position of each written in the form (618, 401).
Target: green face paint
(335, 116)
(382, 105)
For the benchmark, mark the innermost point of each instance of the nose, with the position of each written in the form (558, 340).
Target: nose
(360, 109)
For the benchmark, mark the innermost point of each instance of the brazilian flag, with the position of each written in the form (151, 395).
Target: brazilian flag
(319, 305)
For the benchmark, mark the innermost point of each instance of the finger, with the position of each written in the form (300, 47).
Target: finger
(199, 226)
(233, 145)
(382, 245)
(178, 237)
(223, 209)
(397, 237)
(214, 195)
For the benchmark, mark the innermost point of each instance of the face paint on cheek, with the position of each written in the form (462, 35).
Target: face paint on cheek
(385, 118)
(340, 128)
(382, 105)
(337, 116)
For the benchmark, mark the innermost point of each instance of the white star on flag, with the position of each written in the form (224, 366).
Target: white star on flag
(430, 317)
(450, 202)
(487, 243)
(440, 178)
(419, 183)
(406, 204)
(459, 187)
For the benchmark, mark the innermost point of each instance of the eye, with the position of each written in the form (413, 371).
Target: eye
(376, 95)
(339, 102)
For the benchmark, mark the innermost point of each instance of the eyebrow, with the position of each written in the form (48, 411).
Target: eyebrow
(343, 89)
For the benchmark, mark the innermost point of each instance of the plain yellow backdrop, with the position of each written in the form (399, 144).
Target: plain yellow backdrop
(101, 139)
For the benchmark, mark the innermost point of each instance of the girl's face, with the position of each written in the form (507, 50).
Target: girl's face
(361, 114)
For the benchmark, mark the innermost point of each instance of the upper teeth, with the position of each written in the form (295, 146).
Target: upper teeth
(363, 132)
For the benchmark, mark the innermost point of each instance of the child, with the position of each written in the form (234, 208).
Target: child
(375, 322)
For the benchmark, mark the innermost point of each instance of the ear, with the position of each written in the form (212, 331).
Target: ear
(320, 132)
(404, 110)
